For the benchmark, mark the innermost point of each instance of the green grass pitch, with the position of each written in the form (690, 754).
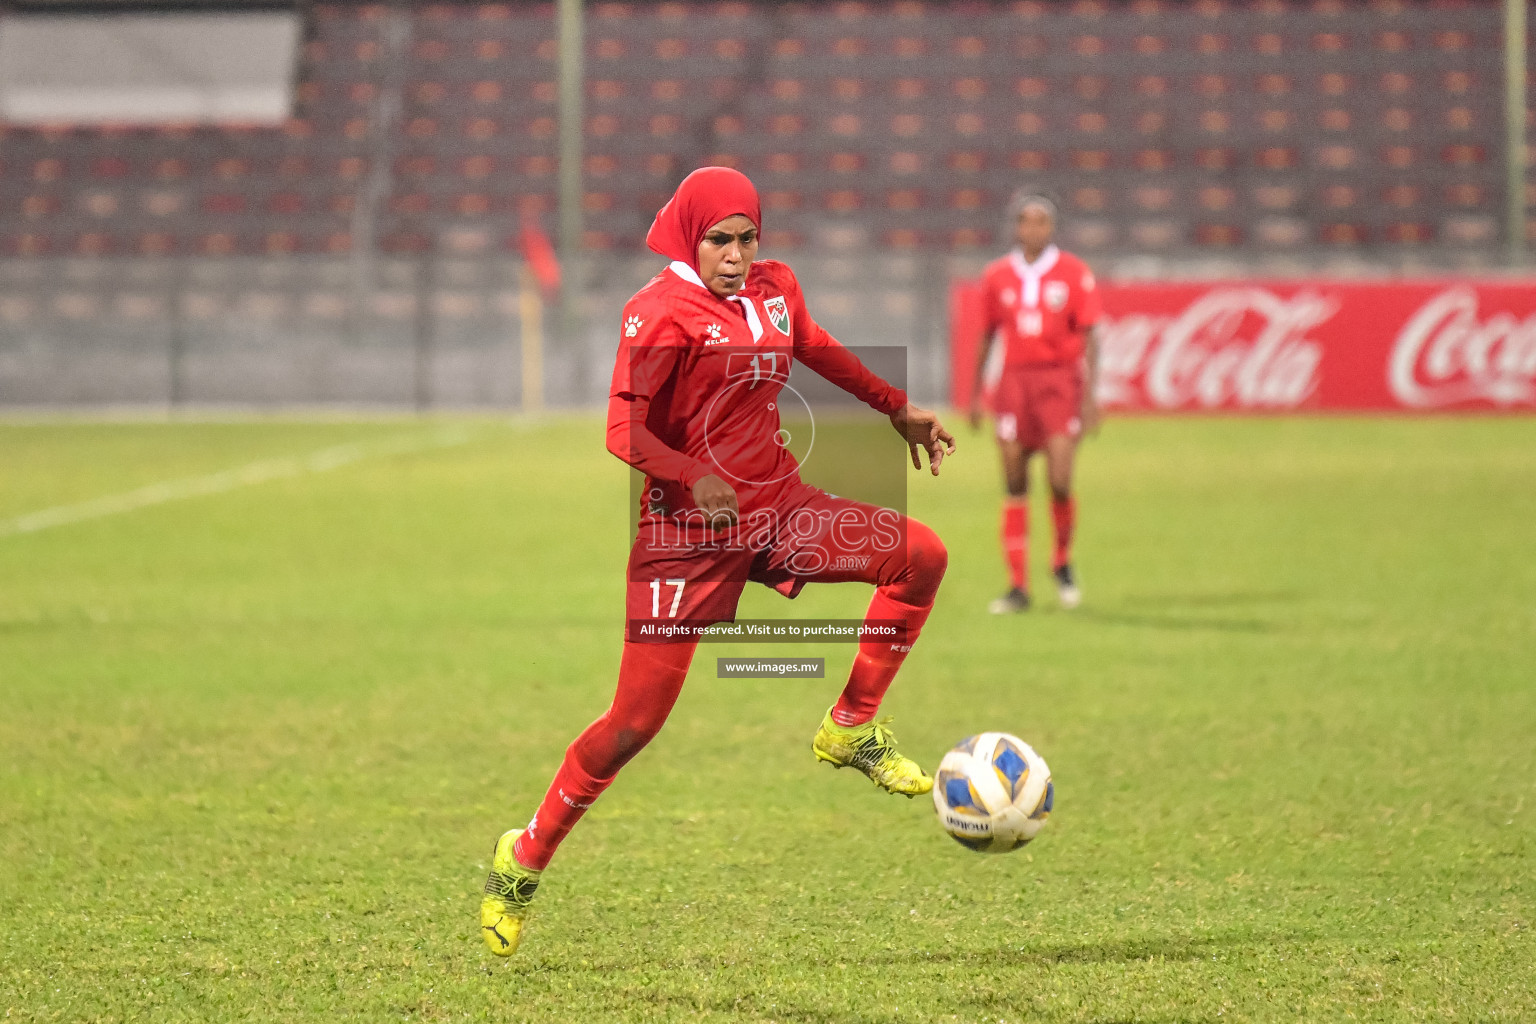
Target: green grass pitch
(255, 743)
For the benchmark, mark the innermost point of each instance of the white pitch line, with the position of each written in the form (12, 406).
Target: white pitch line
(252, 473)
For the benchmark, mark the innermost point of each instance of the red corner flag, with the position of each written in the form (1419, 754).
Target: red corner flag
(540, 256)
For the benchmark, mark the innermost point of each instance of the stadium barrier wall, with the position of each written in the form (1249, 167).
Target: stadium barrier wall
(1268, 346)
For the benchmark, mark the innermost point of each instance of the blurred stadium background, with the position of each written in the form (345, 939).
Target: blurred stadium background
(268, 203)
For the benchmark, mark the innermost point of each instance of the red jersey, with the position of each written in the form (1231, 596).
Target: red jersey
(1042, 309)
(701, 375)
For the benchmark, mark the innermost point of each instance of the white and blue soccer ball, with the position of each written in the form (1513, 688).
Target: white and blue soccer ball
(993, 793)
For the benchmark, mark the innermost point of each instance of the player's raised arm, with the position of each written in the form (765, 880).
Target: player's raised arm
(646, 360)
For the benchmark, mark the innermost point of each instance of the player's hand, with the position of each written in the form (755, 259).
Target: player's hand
(974, 415)
(1092, 416)
(921, 429)
(718, 500)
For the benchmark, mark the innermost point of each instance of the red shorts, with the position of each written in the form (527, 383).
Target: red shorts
(1034, 403)
(683, 576)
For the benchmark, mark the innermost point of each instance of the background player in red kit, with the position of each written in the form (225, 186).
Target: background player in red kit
(705, 349)
(1042, 305)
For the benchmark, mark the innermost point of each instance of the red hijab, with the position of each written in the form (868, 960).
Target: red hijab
(705, 198)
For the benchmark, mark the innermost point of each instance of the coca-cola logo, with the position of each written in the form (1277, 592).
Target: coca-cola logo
(1233, 346)
(1445, 355)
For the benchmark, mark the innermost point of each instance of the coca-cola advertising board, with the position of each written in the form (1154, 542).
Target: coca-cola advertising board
(1419, 346)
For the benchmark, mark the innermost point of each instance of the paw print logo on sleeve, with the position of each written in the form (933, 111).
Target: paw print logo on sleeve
(632, 326)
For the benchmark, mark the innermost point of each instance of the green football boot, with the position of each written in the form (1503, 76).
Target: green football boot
(871, 748)
(508, 892)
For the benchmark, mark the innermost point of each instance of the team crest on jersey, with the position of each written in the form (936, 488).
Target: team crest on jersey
(1056, 295)
(778, 313)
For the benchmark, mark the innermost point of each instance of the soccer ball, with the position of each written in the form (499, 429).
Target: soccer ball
(993, 792)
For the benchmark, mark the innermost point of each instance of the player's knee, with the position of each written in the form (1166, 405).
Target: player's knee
(927, 557)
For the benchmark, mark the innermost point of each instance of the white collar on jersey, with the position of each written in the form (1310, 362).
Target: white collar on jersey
(1031, 273)
(690, 275)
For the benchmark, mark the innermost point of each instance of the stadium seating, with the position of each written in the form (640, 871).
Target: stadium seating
(1161, 125)
(1236, 129)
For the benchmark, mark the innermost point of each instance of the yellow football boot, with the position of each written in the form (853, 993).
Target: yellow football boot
(508, 892)
(871, 748)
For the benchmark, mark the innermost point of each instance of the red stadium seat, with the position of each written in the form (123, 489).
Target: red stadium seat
(1090, 159)
(1218, 235)
(413, 203)
(1216, 158)
(1090, 199)
(472, 204)
(1154, 198)
(95, 243)
(1217, 198)
(660, 165)
(783, 199)
(968, 161)
(846, 163)
(969, 238)
(781, 239)
(156, 243)
(1280, 232)
(405, 242)
(1408, 233)
(969, 199)
(1468, 230)
(217, 244)
(38, 206)
(1336, 157)
(843, 200)
(1343, 234)
(1452, 40)
(281, 242)
(783, 163)
(1466, 195)
(224, 203)
(1463, 154)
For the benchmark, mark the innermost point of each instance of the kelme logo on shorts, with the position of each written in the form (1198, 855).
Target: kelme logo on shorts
(778, 313)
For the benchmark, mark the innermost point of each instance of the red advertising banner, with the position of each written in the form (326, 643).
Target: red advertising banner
(1418, 346)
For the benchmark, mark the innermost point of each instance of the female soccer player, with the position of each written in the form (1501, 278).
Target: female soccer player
(704, 352)
(1044, 305)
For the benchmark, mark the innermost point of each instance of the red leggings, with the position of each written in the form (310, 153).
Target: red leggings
(651, 677)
